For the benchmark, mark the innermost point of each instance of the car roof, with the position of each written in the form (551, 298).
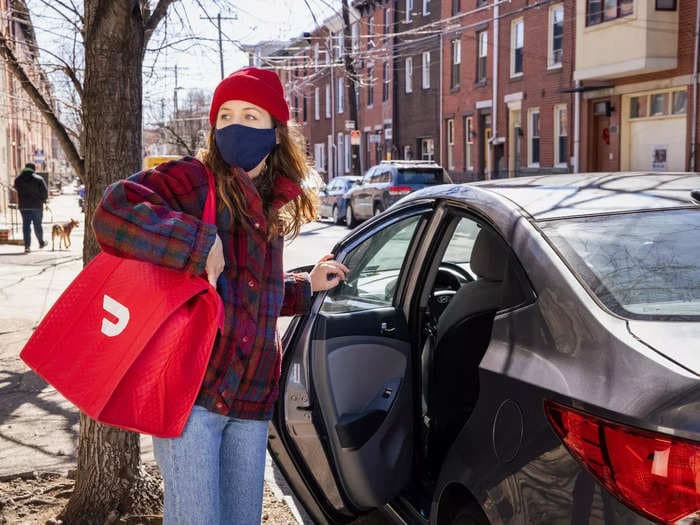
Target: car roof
(558, 196)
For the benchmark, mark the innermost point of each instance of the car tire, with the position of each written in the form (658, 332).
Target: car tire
(335, 215)
(350, 220)
(377, 210)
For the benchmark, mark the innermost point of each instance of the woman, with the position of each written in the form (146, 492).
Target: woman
(214, 471)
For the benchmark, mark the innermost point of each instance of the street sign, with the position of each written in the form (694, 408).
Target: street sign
(355, 137)
(375, 139)
(39, 156)
(387, 133)
(349, 125)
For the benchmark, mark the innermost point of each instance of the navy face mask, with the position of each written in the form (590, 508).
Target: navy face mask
(243, 146)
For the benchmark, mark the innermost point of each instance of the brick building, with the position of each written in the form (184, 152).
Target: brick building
(372, 47)
(416, 52)
(506, 88)
(634, 67)
(25, 135)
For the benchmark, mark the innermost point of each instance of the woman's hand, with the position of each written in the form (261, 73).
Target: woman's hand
(327, 274)
(215, 261)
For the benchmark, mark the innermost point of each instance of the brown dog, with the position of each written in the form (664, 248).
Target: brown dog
(62, 231)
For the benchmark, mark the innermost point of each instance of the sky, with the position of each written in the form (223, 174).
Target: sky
(244, 22)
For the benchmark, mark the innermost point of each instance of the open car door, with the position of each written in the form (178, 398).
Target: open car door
(343, 427)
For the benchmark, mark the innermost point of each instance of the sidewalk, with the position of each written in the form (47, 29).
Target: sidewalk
(38, 427)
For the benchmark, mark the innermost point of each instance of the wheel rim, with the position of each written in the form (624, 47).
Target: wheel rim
(348, 215)
(334, 213)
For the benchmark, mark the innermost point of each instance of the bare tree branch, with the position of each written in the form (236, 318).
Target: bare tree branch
(178, 139)
(35, 95)
(71, 21)
(158, 14)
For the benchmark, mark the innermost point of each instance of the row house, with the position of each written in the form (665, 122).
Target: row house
(506, 88)
(25, 135)
(372, 48)
(312, 71)
(636, 68)
(417, 100)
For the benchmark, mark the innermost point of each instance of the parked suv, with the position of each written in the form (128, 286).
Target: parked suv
(386, 183)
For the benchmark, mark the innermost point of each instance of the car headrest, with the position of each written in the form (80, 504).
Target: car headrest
(489, 256)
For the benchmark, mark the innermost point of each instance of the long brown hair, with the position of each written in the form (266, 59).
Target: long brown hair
(286, 160)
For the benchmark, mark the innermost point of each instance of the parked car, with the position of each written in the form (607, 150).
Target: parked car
(520, 351)
(386, 183)
(332, 198)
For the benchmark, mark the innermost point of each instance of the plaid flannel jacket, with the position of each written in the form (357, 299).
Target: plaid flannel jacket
(155, 215)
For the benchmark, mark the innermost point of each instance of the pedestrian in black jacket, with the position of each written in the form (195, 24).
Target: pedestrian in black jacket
(31, 194)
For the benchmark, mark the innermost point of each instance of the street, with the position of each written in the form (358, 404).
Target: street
(38, 428)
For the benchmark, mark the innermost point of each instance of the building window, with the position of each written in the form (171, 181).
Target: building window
(317, 104)
(659, 104)
(680, 103)
(468, 143)
(665, 5)
(533, 149)
(341, 95)
(450, 136)
(517, 40)
(556, 36)
(304, 105)
(328, 101)
(320, 157)
(348, 154)
(355, 30)
(455, 7)
(426, 70)
(385, 81)
(482, 38)
(427, 149)
(599, 11)
(638, 107)
(370, 27)
(456, 48)
(409, 75)
(370, 85)
(561, 135)
(426, 7)
(316, 56)
(387, 21)
(409, 8)
(296, 108)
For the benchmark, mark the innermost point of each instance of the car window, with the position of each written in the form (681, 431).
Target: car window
(459, 249)
(419, 176)
(641, 265)
(374, 265)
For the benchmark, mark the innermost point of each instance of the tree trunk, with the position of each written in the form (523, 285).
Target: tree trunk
(108, 458)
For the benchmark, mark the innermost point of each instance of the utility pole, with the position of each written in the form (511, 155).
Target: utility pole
(218, 19)
(350, 77)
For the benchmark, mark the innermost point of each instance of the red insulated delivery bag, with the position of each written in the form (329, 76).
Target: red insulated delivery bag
(128, 342)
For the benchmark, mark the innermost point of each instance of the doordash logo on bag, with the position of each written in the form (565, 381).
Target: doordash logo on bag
(119, 311)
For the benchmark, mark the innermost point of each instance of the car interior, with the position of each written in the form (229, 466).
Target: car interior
(476, 277)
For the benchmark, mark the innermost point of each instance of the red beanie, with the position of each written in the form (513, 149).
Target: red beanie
(262, 87)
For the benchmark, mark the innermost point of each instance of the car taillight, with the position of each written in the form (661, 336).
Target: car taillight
(399, 190)
(655, 474)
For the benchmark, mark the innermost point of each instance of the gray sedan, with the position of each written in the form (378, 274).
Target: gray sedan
(521, 351)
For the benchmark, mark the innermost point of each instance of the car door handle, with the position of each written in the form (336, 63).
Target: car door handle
(385, 329)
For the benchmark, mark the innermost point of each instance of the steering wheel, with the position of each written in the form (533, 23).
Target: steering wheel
(450, 278)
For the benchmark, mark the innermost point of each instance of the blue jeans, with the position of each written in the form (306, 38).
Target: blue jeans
(30, 216)
(214, 472)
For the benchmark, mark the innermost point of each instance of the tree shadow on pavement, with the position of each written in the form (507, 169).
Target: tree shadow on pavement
(20, 388)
